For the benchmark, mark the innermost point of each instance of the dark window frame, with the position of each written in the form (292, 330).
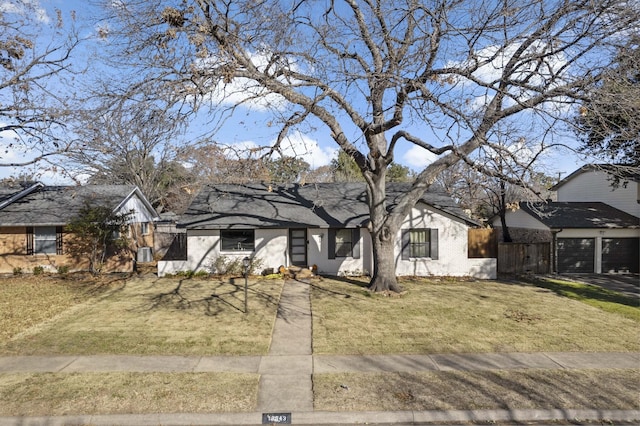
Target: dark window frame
(236, 236)
(353, 252)
(411, 248)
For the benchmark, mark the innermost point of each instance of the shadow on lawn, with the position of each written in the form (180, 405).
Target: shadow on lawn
(514, 389)
(212, 296)
(581, 291)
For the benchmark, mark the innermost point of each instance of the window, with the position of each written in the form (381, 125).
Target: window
(344, 243)
(237, 239)
(144, 228)
(44, 240)
(419, 243)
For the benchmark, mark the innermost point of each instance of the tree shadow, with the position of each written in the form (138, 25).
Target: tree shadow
(212, 296)
(581, 291)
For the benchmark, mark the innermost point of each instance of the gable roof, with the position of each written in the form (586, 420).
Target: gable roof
(228, 206)
(624, 173)
(564, 215)
(57, 205)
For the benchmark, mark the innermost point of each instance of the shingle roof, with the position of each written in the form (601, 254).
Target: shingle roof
(558, 215)
(57, 205)
(313, 205)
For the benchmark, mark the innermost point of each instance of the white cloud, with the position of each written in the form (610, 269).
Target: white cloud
(243, 91)
(418, 158)
(25, 8)
(301, 146)
(296, 145)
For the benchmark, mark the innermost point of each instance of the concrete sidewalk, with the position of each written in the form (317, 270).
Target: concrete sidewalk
(286, 378)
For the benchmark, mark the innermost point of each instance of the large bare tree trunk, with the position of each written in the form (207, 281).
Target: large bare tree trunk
(383, 232)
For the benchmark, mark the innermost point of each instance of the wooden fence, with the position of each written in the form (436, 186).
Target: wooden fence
(483, 243)
(524, 258)
(513, 258)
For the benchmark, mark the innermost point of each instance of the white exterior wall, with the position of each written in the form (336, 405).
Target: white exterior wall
(453, 257)
(140, 212)
(595, 186)
(520, 219)
(318, 249)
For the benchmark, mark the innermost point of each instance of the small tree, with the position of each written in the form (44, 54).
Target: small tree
(97, 231)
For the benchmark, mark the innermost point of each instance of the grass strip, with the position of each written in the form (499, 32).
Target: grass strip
(501, 389)
(607, 300)
(57, 394)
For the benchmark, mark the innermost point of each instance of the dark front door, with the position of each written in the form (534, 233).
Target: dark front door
(298, 247)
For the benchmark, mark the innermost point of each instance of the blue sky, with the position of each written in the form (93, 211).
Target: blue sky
(253, 127)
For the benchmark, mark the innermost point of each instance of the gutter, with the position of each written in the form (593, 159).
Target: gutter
(15, 197)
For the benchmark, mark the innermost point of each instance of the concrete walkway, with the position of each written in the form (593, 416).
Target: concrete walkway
(286, 378)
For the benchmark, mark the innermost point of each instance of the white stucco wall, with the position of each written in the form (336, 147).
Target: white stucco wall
(271, 246)
(318, 249)
(520, 219)
(453, 257)
(595, 186)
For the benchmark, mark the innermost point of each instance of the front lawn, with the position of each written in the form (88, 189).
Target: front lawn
(445, 316)
(151, 316)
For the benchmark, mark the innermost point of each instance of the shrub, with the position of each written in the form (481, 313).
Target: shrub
(17, 270)
(63, 269)
(38, 270)
(223, 265)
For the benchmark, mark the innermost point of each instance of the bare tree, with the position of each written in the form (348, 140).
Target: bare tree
(36, 95)
(130, 140)
(446, 76)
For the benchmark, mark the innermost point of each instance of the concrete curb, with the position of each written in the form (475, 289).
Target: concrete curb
(328, 418)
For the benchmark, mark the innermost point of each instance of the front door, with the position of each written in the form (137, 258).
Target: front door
(298, 247)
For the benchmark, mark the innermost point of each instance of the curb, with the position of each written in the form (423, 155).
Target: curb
(328, 418)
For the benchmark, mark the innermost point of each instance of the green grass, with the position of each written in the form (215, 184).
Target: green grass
(461, 317)
(607, 300)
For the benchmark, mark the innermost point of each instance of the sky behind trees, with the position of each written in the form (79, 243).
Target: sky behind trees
(248, 127)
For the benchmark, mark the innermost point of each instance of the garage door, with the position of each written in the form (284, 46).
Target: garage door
(620, 254)
(576, 254)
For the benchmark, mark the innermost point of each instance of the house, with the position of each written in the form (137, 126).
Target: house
(321, 224)
(33, 217)
(594, 227)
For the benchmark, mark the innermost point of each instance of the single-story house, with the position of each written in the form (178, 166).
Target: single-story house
(33, 217)
(324, 225)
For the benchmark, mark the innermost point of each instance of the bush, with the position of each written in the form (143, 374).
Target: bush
(63, 269)
(17, 270)
(224, 265)
(38, 270)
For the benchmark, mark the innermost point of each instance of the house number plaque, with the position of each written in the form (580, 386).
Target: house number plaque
(276, 418)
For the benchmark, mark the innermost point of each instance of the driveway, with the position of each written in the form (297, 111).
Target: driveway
(628, 284)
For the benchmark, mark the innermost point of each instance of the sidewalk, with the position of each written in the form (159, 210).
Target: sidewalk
(286, 378)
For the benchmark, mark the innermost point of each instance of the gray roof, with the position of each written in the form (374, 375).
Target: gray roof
(227, 206)
(557, 215)
(57, 205)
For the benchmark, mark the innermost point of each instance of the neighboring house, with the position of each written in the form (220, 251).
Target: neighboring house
(594, 227)
(323, 225)
(33, 218)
